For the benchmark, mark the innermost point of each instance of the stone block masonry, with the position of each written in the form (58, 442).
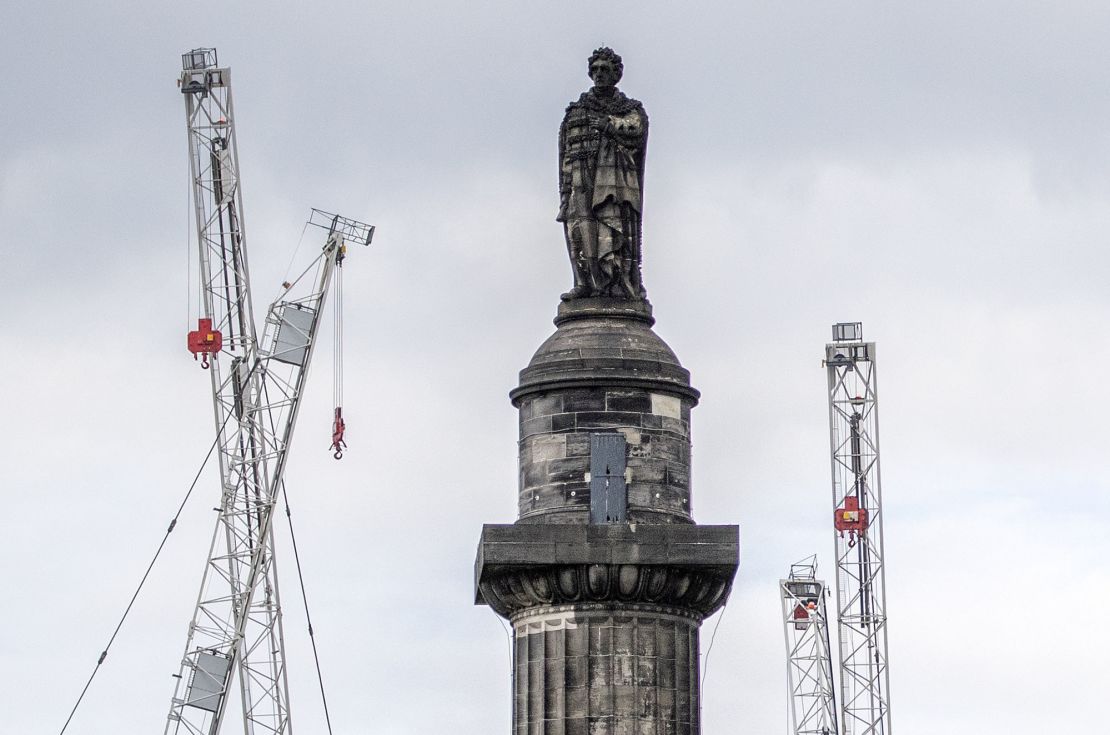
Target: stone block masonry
(606, 616)
(555, 453)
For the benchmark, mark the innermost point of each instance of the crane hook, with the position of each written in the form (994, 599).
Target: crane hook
(337, 429)
(204, 341)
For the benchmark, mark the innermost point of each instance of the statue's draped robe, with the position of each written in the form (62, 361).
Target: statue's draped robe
(601, 175)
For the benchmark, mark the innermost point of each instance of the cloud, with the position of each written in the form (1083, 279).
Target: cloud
(938, 172)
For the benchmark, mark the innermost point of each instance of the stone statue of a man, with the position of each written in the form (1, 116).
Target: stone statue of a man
(602, 142)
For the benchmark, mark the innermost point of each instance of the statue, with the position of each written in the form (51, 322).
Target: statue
(602, 142)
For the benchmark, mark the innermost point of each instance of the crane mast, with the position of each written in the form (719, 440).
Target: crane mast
(237, 623)
(809, 661)
(858, 523)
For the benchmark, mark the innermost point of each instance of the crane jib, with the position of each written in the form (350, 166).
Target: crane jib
(236, 632)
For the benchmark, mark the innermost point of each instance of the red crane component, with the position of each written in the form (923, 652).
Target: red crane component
(205, 341)
(802, 614)
(337, 429)
(851, 518)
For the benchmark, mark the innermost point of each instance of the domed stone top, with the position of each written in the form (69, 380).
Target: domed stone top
(604, 341)
(604, 373)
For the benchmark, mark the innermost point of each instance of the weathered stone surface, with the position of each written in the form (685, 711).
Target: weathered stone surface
(554, 458)
(503, 543)
(603, 347)
(686, 568)
(604, 370)
(597, 670)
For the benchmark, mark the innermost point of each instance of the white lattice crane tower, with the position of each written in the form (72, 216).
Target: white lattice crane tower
(858, 523)
(257, 386)
(809, 660)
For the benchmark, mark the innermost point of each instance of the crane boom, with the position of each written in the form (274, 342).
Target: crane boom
(858, 523)
(237, 622)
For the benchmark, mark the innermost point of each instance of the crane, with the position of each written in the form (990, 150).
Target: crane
(858, 532)
(236, 626)
(809, 662)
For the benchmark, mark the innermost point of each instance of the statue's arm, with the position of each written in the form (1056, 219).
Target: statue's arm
(629, 129)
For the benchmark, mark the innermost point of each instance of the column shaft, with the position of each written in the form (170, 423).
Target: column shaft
(588, 670)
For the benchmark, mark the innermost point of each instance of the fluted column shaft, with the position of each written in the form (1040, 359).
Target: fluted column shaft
(600, 670)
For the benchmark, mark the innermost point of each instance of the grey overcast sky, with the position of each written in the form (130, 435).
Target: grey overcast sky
(939, 171)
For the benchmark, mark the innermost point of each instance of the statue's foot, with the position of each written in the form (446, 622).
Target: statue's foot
(624, 289)
(578, 292)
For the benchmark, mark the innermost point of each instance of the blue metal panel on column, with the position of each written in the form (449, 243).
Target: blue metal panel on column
(608, 494)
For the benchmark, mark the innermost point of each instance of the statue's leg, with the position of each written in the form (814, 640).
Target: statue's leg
(623, 268)
(571, 251)
(621, 254)
(612, 270)
(626, 279)
(572, 231)
(596, 277)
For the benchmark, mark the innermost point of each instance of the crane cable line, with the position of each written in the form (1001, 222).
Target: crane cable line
(712, 639)
(307, 616)
(300, 581)
(339, 426)
(150, 567)
(188, 256)
(293, 259)
(337, 339)
(146, 574)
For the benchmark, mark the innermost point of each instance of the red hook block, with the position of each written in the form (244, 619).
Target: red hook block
(851, 518)
(337, 429)
(205, 341)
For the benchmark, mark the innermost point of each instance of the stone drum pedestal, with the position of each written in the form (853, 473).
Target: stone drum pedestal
(605, 576)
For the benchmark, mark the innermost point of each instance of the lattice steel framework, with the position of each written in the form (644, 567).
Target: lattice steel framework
(858, 520)
(237, 623)
(809, 660)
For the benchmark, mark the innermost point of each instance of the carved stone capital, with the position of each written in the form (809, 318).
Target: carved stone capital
(688, 568)
(697, 591)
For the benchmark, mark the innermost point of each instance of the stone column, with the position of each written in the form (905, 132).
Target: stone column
(605, 615)
(581, 670)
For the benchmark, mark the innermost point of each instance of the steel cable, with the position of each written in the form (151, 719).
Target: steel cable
(146, 574)
(307, 616)
(712, 638)
(300, 578)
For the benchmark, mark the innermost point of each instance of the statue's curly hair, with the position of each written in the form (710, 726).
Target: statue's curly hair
(610, 55)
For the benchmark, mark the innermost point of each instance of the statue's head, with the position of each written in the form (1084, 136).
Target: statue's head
(606, 67)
